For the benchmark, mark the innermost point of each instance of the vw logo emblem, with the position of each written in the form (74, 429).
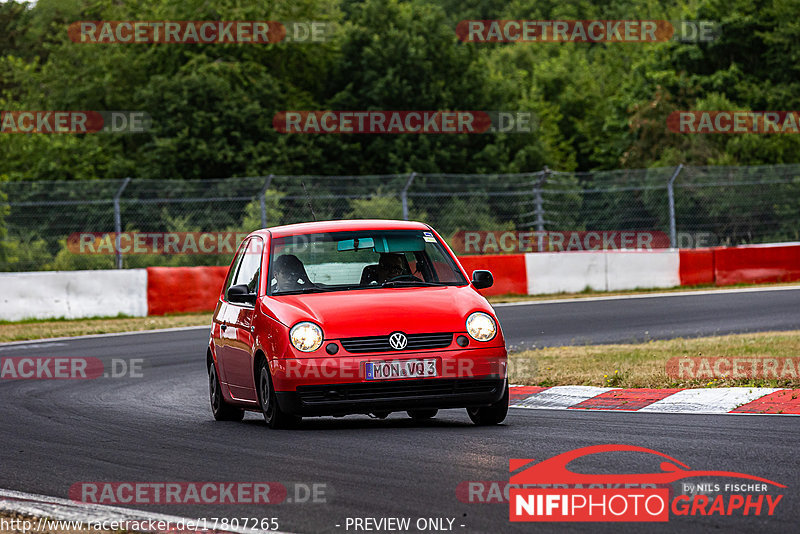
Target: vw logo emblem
(398, 341)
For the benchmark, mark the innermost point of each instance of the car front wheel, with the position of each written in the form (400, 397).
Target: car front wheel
(494, 414)
(273, 415)
(222, 410)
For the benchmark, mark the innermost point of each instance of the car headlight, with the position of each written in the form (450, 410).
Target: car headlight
(306, 337)
(481, 326)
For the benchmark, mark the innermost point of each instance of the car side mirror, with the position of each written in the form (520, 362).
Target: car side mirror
(482, 279)
(241, 294)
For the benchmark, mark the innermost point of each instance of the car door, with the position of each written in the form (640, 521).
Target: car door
(224, 331)
(238, 356)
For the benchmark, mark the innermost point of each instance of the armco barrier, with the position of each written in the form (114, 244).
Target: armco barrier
(508, 271)
(757, 264)
(559, 272)
(696, 266)
(183, 289)
(160, 290)
(641, 268)
(73, 294)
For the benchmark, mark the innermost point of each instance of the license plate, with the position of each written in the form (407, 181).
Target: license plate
(400, 369)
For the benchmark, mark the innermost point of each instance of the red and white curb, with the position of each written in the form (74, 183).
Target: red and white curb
(700, 401)
(54, 508)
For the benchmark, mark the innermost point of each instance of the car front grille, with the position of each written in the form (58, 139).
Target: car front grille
(394, 390)
(381, 343)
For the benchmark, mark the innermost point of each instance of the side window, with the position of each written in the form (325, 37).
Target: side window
(250, 270)
(234, 268)
(445, 271)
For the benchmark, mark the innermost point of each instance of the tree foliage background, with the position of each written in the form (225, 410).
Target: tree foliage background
(598, 106)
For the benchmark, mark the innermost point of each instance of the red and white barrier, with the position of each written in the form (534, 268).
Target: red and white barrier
(570, 272)
(506, 269)
(757, 264)
(696, 266)
(73, 294)
(161, 290)
(183, 289)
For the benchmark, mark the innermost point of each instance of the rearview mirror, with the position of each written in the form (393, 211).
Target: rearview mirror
(482, 279)
(241, 294)
(355, 244)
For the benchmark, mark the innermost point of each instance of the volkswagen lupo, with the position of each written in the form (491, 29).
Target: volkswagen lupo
(354, 317)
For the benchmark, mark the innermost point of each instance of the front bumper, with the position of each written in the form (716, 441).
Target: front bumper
(338, 385)
(391, 395)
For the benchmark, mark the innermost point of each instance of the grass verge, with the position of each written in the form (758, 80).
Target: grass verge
(15, 523)
(35, 329)
(644, 365)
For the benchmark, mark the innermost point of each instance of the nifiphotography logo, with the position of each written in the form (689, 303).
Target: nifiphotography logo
(548, 491)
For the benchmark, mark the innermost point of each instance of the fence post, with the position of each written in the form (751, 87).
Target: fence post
(404, 195)
(263, 198)
(673, 234)
(538, 201)
(118, 223)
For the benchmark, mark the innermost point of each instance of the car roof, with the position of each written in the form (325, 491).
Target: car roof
(341, 226)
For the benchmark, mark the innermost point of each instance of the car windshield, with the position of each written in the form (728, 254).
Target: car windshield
(340, 261)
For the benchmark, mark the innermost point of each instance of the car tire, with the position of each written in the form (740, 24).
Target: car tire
(421, 415)
(222, 410)
(273, 415)
(494, 414)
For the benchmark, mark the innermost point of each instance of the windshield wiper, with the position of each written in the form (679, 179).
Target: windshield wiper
(393, 283)
(305, 290)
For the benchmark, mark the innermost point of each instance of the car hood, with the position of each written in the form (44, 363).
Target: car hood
(374, 312)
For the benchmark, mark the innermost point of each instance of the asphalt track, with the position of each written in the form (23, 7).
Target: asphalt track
(158, 428)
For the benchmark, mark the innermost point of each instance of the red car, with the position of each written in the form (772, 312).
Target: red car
(354, 317)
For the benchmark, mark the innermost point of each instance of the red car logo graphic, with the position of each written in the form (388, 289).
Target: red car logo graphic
(554, 470)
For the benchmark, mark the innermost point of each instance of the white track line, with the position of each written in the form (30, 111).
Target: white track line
(650, 295)
(66, 510)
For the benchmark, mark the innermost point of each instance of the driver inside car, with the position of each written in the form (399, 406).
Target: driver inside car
(290, 274)
(392, 265)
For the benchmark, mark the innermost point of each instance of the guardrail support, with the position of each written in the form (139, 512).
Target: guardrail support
(404, 195)
(118, 223)
(263, 199)
(673, 234)
(538, 201)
